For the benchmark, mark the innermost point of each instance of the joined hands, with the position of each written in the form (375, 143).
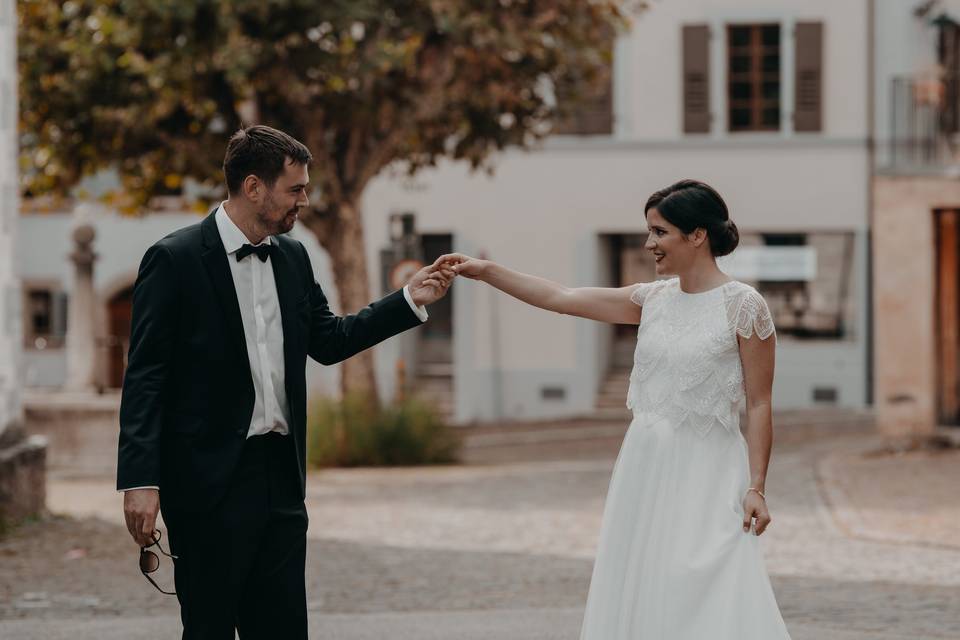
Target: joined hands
(430, 283)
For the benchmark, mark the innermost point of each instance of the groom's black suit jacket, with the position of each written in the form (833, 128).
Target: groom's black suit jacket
(188, 394)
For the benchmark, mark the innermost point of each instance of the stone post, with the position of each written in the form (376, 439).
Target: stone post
(11, 412)
(81, 314)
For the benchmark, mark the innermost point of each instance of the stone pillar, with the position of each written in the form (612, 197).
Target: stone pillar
(81, 314)
(10, 329)
(22, 460)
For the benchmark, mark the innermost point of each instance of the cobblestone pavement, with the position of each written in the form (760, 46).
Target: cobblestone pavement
(502, 548)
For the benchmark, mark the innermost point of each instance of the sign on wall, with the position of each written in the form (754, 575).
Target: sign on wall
(771, 263)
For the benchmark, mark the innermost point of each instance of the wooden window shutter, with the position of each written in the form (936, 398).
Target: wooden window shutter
(594, 113)
(808, 77)
(696, 79)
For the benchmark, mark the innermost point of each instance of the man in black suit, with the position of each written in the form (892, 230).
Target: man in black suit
(213, 411)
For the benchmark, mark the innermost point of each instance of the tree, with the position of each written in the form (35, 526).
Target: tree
(153, 88)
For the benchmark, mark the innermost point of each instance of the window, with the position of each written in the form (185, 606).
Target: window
(819, 306)
(753, 77)
(45, 323)
(948, 54)
(807, 280)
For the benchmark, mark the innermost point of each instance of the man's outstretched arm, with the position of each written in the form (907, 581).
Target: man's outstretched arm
(334, 338)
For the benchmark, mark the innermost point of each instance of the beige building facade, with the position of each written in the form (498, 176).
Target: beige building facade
(916, 224)
(915, 302)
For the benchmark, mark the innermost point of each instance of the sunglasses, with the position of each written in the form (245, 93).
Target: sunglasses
(150, 562)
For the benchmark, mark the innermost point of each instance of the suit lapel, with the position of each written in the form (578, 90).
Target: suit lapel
(285, 278)
(215, 260)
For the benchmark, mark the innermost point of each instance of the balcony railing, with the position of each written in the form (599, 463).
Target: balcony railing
(924, 119)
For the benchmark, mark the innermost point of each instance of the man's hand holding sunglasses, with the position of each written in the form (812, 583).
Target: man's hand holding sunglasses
(140, 508)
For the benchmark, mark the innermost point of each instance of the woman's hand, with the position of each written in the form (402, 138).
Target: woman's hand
(430, 283)
(463, 265)
(754, 506)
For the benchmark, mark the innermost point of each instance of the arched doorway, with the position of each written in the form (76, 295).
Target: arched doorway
(119, 309)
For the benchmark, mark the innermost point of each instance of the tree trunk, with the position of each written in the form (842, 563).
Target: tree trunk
(343, 240)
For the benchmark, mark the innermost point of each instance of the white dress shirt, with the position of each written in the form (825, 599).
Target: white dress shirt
(263, 329)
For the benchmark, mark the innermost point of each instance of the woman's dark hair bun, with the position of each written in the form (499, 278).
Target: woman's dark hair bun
(725, 239)
(691, 204)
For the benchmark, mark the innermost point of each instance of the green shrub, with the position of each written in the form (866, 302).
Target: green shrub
(354, 432)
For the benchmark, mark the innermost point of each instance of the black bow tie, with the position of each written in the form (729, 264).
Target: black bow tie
(263, 251)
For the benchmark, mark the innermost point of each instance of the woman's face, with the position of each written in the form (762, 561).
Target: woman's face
(671, 249)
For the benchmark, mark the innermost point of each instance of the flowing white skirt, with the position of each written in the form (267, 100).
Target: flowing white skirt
(673, 561)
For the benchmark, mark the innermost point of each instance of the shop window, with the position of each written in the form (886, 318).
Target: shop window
(806, 279)
(45, 324)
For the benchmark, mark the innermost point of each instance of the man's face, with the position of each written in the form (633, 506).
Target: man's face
(282, 202)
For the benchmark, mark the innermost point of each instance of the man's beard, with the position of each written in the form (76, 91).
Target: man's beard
(271, 226)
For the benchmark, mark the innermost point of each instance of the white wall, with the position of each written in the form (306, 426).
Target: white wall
(542, 213)
(653, 64)
(10, 337)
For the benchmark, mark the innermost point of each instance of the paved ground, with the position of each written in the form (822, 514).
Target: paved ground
(502, 547)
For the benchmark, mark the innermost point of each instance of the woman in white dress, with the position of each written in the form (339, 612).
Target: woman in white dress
(679, 557)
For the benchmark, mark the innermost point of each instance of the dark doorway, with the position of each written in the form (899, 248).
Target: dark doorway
(948, 316)
(436, 336)
(624, 262)
(434, 360)
(118, 339)
(631, 263)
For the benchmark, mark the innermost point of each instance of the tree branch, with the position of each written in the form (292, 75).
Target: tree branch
(436, 70)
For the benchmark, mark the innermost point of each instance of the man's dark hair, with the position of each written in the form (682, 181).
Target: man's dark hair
(263, 152)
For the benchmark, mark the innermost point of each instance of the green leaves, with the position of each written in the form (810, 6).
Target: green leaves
(154, 87)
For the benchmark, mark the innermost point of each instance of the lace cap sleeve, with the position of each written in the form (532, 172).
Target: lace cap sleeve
(643, 290)
(748, 314)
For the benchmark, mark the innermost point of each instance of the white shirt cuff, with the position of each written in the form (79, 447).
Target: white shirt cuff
(132, 488)
(417, 309)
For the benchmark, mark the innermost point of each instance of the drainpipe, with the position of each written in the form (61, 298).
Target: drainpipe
(871, 167)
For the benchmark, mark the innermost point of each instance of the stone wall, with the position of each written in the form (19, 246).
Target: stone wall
(80, 430)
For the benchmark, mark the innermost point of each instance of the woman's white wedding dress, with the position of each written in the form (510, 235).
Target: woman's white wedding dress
(673, 561)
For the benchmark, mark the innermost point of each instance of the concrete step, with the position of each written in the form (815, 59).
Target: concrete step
(611, 403)
(612, 396)
(613, 414)
(612, 393)
(435, 370)
(434, 386)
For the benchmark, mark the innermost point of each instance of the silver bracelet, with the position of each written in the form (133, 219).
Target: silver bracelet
(758, 491)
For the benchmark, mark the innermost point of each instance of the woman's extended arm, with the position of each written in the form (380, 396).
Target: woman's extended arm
(605, 304)
(757, 359)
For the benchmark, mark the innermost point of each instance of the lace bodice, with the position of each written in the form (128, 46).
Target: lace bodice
(687, 361)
